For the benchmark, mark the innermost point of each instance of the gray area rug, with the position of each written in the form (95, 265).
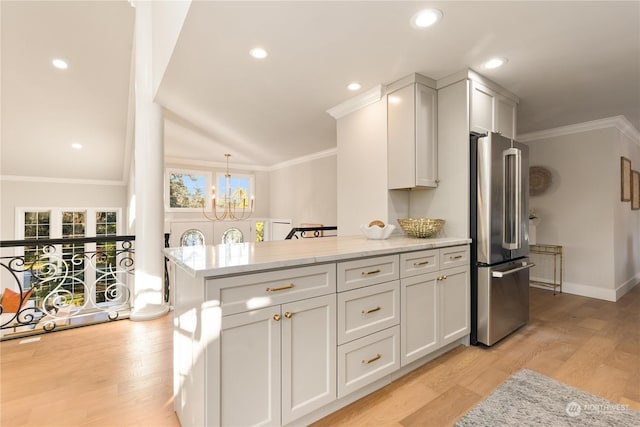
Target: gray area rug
(532, 399)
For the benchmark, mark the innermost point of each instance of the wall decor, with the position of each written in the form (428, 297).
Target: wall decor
(635, 190)
(539, 180)
(625, 179)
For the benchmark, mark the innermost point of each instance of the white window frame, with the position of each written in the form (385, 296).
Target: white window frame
(221, 176)
(207, 192)
(55, 231)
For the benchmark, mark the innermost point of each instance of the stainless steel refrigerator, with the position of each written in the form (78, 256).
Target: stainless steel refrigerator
(499, 229)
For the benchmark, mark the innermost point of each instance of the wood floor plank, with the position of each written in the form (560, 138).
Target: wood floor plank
(444, 409)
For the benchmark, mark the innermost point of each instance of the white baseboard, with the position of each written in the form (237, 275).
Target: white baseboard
(589, 291)
(627, 286)
(606, 294)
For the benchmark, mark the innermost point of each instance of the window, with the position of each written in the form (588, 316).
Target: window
(89, 267)
(187, 190)
(236, 191)
(192, 237)
(36, 226)
(259, 231)
(106, 254)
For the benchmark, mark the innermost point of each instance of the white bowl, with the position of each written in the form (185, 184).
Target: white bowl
(377, 233)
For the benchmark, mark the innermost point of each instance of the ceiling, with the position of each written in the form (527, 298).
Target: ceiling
(569, 62)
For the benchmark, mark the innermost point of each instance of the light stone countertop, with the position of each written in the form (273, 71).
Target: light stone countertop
(222, 260)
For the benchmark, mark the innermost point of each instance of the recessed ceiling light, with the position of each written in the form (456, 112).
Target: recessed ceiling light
(60, 64)
(426, 18)
(76, 146)
(495, 62)
(354, 86)
(258, 53)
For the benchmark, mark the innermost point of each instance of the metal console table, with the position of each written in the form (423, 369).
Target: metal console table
(554, 251)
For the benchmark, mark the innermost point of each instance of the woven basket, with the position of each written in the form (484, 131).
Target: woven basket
(421, 227)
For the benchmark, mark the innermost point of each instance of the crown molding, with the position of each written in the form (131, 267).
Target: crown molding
(48, 180)
(212, 165)
(409, 80)
(470, 74)
(315, 156)
(357, 102)
(619, 122)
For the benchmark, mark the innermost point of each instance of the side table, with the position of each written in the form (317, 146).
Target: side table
(554, 251)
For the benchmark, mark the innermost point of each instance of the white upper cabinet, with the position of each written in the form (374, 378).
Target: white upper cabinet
(412, 136)
(492, 111)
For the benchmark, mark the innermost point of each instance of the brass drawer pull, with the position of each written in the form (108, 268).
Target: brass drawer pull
(378, 356)
(288, 314)
(417, 264)
(281, 288)
(373, 310)
(455, 257)
(366, 273)
(276, 317)
(443, 277)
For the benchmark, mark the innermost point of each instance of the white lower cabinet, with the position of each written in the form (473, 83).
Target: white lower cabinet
(276, 364)
(453, 299)
(367, 310)
(367, 359)
(419, 317)
(315, 334)
(249, 373)
(434, 306)
(308, 356)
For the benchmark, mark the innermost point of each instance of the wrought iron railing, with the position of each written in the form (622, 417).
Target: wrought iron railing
(305, 232)
(49, 284)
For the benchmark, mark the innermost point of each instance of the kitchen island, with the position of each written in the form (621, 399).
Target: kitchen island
(286, 332)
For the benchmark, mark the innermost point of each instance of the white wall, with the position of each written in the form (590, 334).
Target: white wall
(582, 210)
(44, 194)
(362, 167)
(626, 229)
(305, 192)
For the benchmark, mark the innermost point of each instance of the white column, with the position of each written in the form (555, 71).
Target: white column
(148, 301)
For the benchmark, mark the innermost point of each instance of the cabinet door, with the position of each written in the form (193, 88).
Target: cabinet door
(401, 137)
(426, 151)
(482, 99)
(308, 356)
(453, 290)
(412, 137)
(249, 369)
(505, 117)
(492, 112)
(418, 317)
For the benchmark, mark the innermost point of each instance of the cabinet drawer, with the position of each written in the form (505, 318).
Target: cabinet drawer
(369, 271)
(251, 291)
(367, 310)
(368, 359)
(414, 263)
(454, 256)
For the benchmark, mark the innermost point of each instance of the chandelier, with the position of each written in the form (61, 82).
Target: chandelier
(234, 205)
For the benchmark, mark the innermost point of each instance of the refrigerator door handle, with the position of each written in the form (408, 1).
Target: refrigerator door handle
(511, 198)
(513, 270)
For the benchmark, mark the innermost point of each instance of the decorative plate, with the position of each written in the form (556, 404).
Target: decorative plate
(539, 180)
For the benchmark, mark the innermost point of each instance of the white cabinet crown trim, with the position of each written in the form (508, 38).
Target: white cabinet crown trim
(357, 102)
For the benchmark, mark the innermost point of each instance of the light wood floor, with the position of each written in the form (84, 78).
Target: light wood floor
(119, 374)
